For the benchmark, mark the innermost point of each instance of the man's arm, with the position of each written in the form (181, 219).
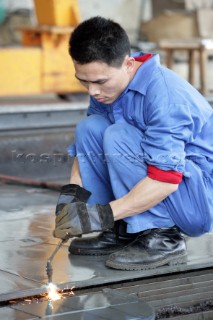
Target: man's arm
(75, 177)
(79, 217)
(146, 194)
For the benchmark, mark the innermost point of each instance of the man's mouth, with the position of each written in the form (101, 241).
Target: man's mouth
(101, 99)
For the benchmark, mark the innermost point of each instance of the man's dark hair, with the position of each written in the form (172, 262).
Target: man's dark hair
(99, 39)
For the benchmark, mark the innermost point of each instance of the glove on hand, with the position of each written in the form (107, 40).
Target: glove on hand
(78, 218)
(71, 193)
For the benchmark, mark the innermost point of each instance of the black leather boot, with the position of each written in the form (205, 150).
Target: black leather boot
(104, 243)
(152, 248)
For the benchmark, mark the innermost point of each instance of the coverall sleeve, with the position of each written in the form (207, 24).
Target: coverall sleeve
(169, 128)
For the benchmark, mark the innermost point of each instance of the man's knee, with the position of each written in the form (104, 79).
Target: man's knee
(114, 135)
(93, 126)
(122, 137)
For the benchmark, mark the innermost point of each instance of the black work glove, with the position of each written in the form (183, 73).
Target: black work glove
(79, 218)
(71, 193)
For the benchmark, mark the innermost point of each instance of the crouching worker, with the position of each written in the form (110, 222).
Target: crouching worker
(143, 158)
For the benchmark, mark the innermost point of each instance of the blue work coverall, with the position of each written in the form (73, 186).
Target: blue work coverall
(159, 120)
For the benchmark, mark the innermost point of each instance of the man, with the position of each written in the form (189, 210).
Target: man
(143, 166)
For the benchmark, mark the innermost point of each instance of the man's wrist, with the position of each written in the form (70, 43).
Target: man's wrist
(106, 216)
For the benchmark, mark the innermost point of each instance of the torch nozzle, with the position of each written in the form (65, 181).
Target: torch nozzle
(49, 268)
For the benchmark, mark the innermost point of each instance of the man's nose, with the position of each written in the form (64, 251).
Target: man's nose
(93, 89)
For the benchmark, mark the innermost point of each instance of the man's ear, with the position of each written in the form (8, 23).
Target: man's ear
(129, 63)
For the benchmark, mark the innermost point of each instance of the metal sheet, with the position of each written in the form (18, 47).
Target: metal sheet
(107, 305)
(8, 313)
(26, 242)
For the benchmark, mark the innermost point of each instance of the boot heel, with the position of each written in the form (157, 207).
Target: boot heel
(178, 260)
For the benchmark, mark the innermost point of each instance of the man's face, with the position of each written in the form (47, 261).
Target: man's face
(103, 82)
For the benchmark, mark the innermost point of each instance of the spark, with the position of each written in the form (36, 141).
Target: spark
(53, 293)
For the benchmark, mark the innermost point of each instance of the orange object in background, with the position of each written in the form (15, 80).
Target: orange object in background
(20, 71)
(42, 64)
(57, 12)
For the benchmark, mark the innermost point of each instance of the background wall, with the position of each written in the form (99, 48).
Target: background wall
(127, 13)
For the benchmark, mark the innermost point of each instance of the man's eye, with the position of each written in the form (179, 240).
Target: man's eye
(101, 82)
(83, 82)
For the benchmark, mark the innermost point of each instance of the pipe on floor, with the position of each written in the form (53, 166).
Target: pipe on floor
(30, 182)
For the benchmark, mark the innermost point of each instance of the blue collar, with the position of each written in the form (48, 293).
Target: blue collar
(140, 82)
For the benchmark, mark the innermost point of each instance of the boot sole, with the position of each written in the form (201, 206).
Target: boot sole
(171, 260)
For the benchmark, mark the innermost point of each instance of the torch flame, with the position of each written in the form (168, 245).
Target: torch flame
(53, 293)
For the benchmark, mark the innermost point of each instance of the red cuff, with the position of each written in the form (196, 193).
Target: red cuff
(164, 176)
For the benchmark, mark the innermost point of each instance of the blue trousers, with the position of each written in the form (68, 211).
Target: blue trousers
(111, 163)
